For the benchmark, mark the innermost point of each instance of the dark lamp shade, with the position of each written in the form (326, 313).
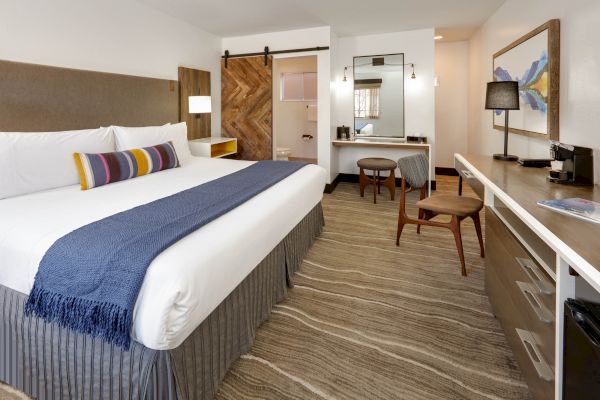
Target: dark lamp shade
(502, 96)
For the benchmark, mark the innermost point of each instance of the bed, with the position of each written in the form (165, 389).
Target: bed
(200, 302)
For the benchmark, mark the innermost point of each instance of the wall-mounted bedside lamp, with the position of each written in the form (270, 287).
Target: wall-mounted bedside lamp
(199, 104)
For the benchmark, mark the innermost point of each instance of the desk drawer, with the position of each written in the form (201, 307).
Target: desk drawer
(468, 177)
(537, 245)
(523, 299)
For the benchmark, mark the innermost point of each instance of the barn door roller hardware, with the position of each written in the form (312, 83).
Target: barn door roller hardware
(266, 52)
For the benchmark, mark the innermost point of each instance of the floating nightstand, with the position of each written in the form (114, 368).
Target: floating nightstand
(214, 147)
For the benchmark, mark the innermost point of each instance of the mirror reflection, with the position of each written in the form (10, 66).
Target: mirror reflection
(379, 95)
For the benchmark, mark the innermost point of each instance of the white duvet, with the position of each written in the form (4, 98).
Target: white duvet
(186, 282)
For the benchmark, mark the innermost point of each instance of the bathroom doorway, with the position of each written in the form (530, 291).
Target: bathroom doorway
(295, 108)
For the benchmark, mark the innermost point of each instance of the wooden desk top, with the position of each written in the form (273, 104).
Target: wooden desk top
(528, 185)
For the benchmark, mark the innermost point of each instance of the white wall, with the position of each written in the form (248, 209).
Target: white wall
(109, 36)
(579, 75)
(419, 94)
(451, 101)
(290, 118)
(298, 39)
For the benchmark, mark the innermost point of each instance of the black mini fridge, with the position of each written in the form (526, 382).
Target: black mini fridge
(581, 371)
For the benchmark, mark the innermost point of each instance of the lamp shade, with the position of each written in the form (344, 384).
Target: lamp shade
(199, 104)
(502, 95)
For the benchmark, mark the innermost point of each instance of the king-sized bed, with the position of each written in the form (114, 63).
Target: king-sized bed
(200, 302)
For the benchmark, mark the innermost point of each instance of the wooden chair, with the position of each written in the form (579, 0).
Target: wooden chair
(415, 172)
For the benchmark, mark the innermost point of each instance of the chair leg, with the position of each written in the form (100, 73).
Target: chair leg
(455, 228)
(399, 231)
(479, 235)
(421, 216)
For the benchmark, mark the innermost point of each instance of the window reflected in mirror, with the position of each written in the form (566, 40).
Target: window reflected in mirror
(379, 95)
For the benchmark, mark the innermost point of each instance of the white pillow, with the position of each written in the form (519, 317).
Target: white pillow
(32, 162)
(135, 138)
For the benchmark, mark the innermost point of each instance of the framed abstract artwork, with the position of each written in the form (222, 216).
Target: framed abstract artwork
(534, 62)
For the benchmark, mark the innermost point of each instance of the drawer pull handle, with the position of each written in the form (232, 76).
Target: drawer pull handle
(535, 275)
(542, 312)
(468, 174)
(541, 366)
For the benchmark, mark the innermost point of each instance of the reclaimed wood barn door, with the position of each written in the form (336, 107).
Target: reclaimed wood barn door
(247, 105)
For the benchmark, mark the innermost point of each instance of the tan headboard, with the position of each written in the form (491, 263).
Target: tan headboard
(42, 98)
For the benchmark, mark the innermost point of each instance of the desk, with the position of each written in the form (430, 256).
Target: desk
(556, 242)
(350, 151)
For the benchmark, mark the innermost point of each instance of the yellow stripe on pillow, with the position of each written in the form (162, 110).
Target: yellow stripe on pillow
(80, 171)
(142, 161)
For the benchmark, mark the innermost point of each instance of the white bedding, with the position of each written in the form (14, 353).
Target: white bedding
(188, 280)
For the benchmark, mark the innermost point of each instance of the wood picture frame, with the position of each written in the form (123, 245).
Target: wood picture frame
(551, 85)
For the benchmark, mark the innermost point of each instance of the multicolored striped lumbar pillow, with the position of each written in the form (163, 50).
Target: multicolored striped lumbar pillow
(101, 169)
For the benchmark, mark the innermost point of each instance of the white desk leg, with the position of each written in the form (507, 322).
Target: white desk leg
(565, 288)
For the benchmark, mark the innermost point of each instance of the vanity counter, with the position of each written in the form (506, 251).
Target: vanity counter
(381, 143)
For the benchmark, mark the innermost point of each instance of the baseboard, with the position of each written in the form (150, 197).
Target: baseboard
(330, 187)
(445, 171)
(353, 178)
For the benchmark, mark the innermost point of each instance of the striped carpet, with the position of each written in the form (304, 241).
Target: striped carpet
(369, 320)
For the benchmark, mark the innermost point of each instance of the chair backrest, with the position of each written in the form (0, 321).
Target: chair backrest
(415, 169)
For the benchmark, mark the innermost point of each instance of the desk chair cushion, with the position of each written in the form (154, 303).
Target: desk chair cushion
(451, 205)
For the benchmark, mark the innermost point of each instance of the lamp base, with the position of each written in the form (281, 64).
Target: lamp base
(505, 157)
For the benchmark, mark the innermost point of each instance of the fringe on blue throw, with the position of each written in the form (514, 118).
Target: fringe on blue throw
(106, 321)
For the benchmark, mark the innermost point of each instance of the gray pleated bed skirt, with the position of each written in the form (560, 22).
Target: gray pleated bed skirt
(50, 362)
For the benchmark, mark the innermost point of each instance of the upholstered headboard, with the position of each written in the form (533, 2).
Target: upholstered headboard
(42, 98)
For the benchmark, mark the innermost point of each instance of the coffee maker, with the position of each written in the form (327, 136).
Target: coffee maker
(577, 164)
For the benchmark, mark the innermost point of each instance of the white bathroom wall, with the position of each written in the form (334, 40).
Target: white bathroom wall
(110, 36)
(451, 101)
(579, 77)
(419, 94)
(290, 119)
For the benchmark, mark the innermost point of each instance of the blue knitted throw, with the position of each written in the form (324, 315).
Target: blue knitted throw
(89, 279)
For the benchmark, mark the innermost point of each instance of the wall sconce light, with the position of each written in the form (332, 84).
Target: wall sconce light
(345, 78)
(199, 104)
(413, 76)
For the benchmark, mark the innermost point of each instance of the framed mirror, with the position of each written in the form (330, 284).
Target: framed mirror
(379, 95)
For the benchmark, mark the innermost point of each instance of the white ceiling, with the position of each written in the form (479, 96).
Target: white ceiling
(455, 19)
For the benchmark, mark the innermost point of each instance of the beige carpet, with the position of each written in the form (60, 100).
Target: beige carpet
(8, 393)
(369, 320)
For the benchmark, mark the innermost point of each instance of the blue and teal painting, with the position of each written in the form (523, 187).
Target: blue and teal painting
(533, 85)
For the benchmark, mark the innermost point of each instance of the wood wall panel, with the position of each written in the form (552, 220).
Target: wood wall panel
(247, 105)
(194, 82)
(40, 98)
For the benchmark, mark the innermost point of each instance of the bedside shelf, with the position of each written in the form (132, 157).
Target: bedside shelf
(214, 147)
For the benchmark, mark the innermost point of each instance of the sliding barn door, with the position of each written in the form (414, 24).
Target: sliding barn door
(247, 105)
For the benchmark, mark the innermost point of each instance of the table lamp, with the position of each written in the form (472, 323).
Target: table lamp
(503, 96)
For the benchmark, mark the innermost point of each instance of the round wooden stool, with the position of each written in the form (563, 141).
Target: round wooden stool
(377, 165)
